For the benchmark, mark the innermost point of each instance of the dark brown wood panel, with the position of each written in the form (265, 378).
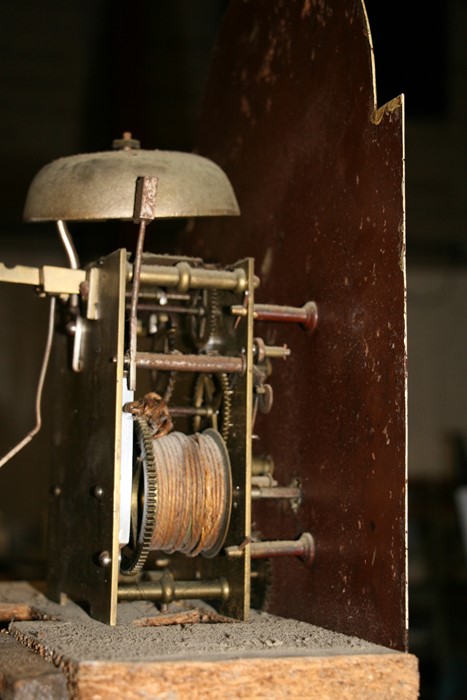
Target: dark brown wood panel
(290, 114)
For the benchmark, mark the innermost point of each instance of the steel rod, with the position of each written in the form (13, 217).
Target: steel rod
(190, 363)
(179, 411)
(258, 492)
(277, 351)
(157, 295)
(304, 548)
(169, 309)
(306, 316)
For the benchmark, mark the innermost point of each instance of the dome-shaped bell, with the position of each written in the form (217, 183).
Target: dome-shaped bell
(101, 186)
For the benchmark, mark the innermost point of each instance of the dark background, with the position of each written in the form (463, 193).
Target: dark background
(75, 75)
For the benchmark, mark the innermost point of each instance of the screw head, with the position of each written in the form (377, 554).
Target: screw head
(97, 492)
(104, 559)
(311, 319)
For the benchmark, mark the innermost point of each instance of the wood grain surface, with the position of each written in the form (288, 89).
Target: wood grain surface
(37, 663)
(388, 677)
(291, 115)
(25, 675)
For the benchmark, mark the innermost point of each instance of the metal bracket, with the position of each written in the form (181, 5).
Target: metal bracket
(50, 279)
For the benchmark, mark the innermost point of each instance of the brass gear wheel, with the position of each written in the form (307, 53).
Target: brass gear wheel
(203, 328)
(214, 390)
(143, 500)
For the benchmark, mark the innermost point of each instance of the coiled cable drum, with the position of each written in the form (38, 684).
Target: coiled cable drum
(194, 493)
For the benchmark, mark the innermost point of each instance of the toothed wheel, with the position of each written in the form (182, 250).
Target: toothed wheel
(213, 391)
(143, 501)
(204, 327)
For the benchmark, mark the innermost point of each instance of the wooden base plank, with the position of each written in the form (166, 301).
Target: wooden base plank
(361, 677)
(61, 652)
(25, 675)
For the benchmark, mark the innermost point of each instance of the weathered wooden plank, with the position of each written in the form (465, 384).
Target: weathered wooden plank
(266, 657)
(386, 677)
(25, 675)
(15, 611)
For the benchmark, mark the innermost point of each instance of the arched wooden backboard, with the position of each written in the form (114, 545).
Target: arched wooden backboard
(290, 115)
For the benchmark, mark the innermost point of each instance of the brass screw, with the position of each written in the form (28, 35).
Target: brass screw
(104, 559)
(97, 492)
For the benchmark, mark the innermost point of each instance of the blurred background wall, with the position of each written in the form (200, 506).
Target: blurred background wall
(75, 75)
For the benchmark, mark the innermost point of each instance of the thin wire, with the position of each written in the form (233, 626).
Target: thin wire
(67, 240)
(68, 244)
(40, 385)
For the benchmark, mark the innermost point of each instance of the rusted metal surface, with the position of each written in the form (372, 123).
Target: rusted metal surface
(182, 617)
(304, 548)
(145, 212)
(307, 315)
(154, 410)
(290, 115)
(190, 363)
(194, 493)
(191, 411)
(146, 198)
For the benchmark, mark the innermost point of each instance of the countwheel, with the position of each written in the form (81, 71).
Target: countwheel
(143, 500)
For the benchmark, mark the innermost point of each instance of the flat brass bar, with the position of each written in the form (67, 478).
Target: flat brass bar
(61, 280)
(20, 274)
(249, 304)
(166, 590)
(304, 548)
(190, 363)
(52, 279)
